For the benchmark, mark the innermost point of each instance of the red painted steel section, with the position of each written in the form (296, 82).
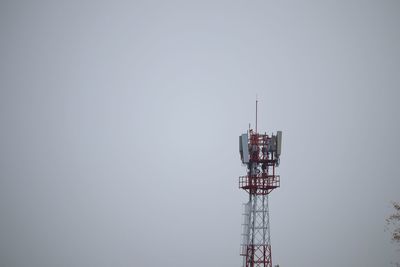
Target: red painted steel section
(264, 182)
(259, 256)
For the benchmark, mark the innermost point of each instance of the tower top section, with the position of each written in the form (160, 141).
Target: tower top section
(261, 154)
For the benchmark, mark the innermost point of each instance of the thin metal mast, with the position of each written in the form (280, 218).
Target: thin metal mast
(256, 112)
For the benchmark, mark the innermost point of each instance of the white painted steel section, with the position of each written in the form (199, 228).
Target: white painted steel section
(258, 222)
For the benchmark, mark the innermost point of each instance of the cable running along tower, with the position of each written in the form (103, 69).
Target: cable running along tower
(260, 153)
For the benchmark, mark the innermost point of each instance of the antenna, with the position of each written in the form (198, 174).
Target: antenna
(256, 111)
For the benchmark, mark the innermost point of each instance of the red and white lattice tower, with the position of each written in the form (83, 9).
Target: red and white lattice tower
(260, 153)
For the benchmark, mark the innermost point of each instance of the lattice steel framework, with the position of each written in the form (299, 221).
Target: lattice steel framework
(264, 152)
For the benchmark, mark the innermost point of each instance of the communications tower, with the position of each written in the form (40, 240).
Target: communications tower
(260, 153)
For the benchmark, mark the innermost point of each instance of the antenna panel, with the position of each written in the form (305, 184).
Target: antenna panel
(244, 148)
(278, 143)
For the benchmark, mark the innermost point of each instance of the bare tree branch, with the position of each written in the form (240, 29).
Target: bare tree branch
(393, 221)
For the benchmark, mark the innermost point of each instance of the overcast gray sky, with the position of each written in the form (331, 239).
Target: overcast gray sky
(119, 124)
